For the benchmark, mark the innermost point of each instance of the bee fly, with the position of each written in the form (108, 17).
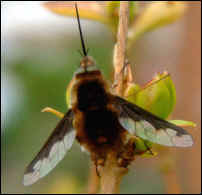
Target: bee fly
(97, 119)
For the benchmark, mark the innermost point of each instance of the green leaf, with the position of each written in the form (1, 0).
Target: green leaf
(183, 123)
(158, 96)
(143, 148)
(149, 154)
(132, 91)
(141, 145)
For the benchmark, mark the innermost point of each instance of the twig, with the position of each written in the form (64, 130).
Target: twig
(111, 173)
(120, 47)
(93, 181)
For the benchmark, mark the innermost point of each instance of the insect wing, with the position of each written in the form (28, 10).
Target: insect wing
(142, 123)
(53, 151)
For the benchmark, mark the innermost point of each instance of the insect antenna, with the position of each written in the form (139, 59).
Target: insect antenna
(80, 31)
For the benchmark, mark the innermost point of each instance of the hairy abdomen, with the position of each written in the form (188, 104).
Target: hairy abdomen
(96, 124)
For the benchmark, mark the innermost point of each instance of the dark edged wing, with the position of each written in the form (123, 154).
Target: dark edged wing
(142, 123)
(53, 151)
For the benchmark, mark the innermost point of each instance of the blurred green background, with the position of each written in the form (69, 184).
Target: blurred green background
(39, 57)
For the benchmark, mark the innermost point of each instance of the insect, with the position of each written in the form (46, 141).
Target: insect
(97, 119)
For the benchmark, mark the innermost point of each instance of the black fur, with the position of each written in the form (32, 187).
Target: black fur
(91, 94)
(99, 121)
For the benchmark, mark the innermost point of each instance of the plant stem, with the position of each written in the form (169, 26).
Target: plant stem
(120, 47)
(93, 180)
(111, 173)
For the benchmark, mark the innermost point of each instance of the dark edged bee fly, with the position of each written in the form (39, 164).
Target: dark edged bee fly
(98, 120)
